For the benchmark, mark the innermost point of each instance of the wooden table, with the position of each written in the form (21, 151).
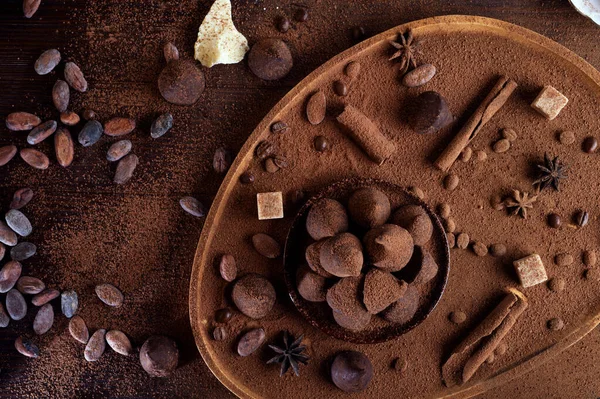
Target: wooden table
(96, 34)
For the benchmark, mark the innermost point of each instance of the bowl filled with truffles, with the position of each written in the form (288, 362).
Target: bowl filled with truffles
(366, 261)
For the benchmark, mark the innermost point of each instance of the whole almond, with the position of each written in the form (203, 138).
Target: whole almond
(61, 95)
(119, 342)
(119, 126)
(109, 294)
(228, 268)
(69, 118)
(44, 297)
(29, 8)
(41, 132)
(75, 78)
(170, 51)
(21, 197)
(78, 329)
(47, 61)
(30, 285)
(35, 158)
(63, 147)
(7, 153)
(125, 169)
(9, 274)
(118, 150)
(95, 346)
(19, 121)
(316, 108)
(43, 319)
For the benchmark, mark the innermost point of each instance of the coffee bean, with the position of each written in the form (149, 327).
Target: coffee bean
(400, 365)
(22, 251)
(192, 206)
(321, 144)
(270, 59)
(219, 334)
(228, 268)
(480, 156)
(247, 177)
(451, 181)
(161, 125)
(451, 240)
(69, 118)
(9, 274)
(118, 150)
(78, 329)
(91, 133)
(95, 346)
(449, 225)
(89, 115)
(490, 359)
(301, 15)
(15, 304)
(279, 127)
(35, 158)
(566, 137)
(351, 371)
(30, 285)
(280, 161)
(556, 324)
(221, 160)
(282, 24)
(501, 146)
(497, 250)
(4, 318)
(340, 88)
(110, 295)
(250, 342)
(170, 52)
(41, 132)
(554, 220)
(7, 236)
(270, 165)
(47, 61)
(501, 349)
(266, 245)
(480, 248)
(125, 169)
(61, 95)
(63, 147)
(419, 76)
(18, 222)
(223, 315)
(75, 78)
(352, 69)
(69, 302)
(254, 296)
(44, 297)
(444, 210)
(2, 251)
(21, 198)
(316, 108)
(159, 356)
(463, 240)
(7, 153)
(263, 150)
(466, 154)
(457, 317)
(417, 192)
(20, 121)
(509, 134)
(581, 218)
(589, 258)
(358, 33)
(592, 274)
(181, 82)
(119, 342)
(43, 319)
(23, 346)
(563, 259)
(119, 126)
(589, 145)
(556, 284)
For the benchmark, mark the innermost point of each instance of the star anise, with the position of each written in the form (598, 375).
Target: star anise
(289, 354)
(406, 49)
(551, 173)
(519, 202)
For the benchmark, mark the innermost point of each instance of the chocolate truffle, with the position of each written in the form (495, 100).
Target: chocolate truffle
(270, 59)
(428, 113)
(369, 207)
(389, 247)
(403, 310)
(253, 295)
(326, 218)
(311, 286)
(355, 323)
(344, 298)
(428, 269)
(342, 255)
(381, 289)
(159, 356)
(414, 219)
(351, 371)
(313, 258)
(181, 82)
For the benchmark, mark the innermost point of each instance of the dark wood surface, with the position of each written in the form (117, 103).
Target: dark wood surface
(233, 104)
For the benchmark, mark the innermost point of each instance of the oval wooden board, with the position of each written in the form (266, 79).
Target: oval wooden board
(445, 24)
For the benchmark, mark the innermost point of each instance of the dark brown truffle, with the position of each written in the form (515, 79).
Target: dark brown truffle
(369, 207)
(181, 82)
(428, 113)
(270, 59)
(389, 247)
(159, 356)
(414, 219)
(342, 255)
(345, 298)
(381, 289)
(313, 258)
(355, 322)
(351, 371)
(326, 218)
(403, 310)
(253, 295)
(311, 286)
(427, 267)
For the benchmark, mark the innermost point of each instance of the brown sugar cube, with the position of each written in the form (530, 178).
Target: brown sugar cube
(270, 205)
(549, 102)
(531, 270)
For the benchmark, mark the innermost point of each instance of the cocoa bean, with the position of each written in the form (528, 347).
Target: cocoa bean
(119, 126)
(35, 158)
(109, 294)
(30, 285)
(95, 346)
(15, 305)
(61, 95)
(125, 169)
(161, 125)
(23, 251)
(43, 319)
(18, 222)
(69, 118)
(192, 206)
(118, 150)
(69, 302)
(9, 274)
(19, 121)
(41, 132)
(63, 147)
(90, 134)
(21, 197)
(75, 78)
(25, 347)
(170, 52)
(119, 342)
(7, 236)
(44, 297)
(79, 330)
(7, 153)
(47, 61)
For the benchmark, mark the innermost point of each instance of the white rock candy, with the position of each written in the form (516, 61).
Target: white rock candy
(219, 42)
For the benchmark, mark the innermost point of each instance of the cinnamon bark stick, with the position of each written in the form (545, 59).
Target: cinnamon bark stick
(470, 354)
(486, 110)
(366, 134)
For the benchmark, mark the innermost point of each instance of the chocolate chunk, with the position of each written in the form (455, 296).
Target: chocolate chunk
(119, 126)
(75, 78)
(369, 207)
(351, 371)
(20, 121)
(316, 108)
(429, 113)
(549, 102)
(270, 59)
(311, 286)
(531, 270)
(345, 298)
(90, 134)
(161, 125)
(381, 289)
(414, 219)
(313, 258)
(48, 60)
(389, 247)
(35, 158)
(181, 82)
(159, 356)
(125, 169)
(342, 255)
(419, 76)
(270, 205)
(61, 95)
(326, 218)
(63, 147)
(253, 295)
(403, 310)
(266, 245)
(250, 342)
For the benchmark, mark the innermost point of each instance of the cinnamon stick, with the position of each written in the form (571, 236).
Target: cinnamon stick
(470, 354)
(486, 110)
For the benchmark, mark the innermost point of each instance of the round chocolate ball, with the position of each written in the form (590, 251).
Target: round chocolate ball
(253, 295)
(415, 219)
(369, 207)
(159, 356)
(351, 371)
(311, 286)
(389, 247)
(326, 218)
(342, 255)
(270, 59)
(428, 113)
(181, 82)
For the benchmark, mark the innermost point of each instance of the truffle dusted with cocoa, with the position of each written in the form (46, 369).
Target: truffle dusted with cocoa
(313, 258)
(403, 310)
(342, 255)
(389, 247)
(381, 289)
(344, 299)
(414, 219)
(369, 207)
(326, 218)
